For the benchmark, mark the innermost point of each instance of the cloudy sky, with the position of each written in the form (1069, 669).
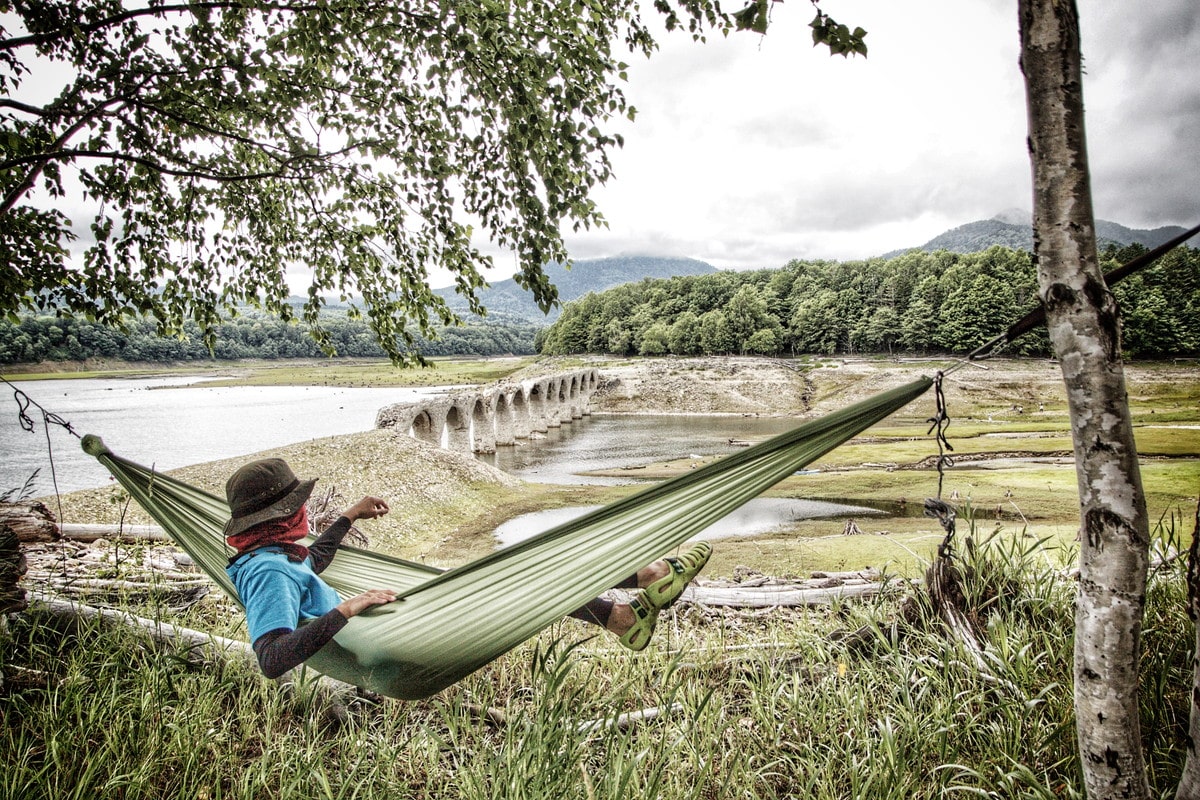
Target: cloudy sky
(749, 151)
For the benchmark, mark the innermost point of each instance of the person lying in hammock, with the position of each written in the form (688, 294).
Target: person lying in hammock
(279, 585)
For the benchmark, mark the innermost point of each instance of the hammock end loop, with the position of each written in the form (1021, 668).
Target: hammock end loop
(94, 446)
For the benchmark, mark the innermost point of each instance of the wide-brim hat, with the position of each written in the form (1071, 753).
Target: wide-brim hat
(264, 490)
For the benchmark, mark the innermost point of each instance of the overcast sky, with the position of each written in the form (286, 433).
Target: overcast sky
(751, 151)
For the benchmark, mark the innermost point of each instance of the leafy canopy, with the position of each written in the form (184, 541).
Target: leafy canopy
(210, 147)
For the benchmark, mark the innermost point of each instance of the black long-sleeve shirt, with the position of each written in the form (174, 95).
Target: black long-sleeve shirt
(283, 649)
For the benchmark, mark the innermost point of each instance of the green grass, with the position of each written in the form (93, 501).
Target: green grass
(767, 707)
(374, 373)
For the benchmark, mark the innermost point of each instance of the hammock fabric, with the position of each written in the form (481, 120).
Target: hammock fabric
(446, 625)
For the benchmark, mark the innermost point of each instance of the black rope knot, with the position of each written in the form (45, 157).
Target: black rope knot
(945, 514)
(936, 507)
(48, 417)
(940, 421)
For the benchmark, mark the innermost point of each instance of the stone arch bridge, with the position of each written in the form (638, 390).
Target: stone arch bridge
(496, 416)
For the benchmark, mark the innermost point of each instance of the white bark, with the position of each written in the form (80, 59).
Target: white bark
(1189, 782)
(1084, 330)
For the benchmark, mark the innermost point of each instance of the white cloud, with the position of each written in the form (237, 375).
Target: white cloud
(748, 152)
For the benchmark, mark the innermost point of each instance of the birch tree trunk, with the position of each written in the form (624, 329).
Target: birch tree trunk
(1189, 782)
(1082, 318)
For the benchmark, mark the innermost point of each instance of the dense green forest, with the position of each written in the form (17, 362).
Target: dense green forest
(917, 302)
(48, 338)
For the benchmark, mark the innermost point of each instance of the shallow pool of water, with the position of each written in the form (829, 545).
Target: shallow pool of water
(620, 441)
(759, 516)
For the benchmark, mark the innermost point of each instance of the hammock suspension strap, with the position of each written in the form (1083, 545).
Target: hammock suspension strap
(935, 506)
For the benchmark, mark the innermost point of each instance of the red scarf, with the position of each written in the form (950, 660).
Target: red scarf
(283, 533)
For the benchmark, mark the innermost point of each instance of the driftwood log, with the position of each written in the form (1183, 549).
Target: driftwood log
(80, 532)
(751, 589)
(777, 596)
(328, 695)
(333, 693)
(21, 522)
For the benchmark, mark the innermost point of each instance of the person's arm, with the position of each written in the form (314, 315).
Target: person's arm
(324, 548)
(282, 649)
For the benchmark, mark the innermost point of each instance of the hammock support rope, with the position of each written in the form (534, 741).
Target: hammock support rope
(445, 625)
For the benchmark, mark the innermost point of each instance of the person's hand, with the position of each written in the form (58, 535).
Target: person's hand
(372, 597)
(367, 508)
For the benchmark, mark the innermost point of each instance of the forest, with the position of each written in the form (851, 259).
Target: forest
(252, 335)
(918, 302)
(914, 303)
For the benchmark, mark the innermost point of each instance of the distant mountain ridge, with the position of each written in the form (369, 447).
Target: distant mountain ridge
(1012, 228)
(589, 275)
(505, 301)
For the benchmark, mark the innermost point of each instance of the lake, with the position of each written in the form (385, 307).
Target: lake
(757, 517)
(176, 421)
(164, 423)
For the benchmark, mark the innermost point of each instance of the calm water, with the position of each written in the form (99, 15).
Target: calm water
(156, 421)
(615, 441)
(167, 423)
(163, 422)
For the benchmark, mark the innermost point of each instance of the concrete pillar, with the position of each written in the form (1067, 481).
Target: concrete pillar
(483, 424)
(458, 428)
(564, 400)
(520, 414)
(538, 411)
(503, 416)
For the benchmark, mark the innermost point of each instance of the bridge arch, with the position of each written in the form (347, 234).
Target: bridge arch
(497, 416)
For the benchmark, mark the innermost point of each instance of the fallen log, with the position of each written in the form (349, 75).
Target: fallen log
(203, 645)
(81, 532)
(331, 694)
(780, 595)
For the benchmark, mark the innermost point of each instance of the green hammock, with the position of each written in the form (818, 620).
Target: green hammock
(448, 624)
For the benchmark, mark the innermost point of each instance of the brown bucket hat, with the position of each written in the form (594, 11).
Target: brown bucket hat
(264, 490)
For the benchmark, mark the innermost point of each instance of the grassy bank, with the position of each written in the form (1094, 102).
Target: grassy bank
(757, 707)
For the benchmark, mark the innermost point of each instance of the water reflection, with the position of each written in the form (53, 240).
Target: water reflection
(616, 441)
(760, 515)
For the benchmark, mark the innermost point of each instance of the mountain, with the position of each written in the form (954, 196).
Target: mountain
(592, 275)
(1012, 228)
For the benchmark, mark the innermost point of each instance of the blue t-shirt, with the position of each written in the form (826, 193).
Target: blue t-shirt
(278, 593)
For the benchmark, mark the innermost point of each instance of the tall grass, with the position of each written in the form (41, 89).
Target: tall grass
(757, 707)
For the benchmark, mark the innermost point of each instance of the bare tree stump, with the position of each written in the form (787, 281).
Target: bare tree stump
(12, 567)
(30, 521)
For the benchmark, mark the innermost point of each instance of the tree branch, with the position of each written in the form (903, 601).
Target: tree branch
(163, 10)
(39, 161)
(36, 111)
